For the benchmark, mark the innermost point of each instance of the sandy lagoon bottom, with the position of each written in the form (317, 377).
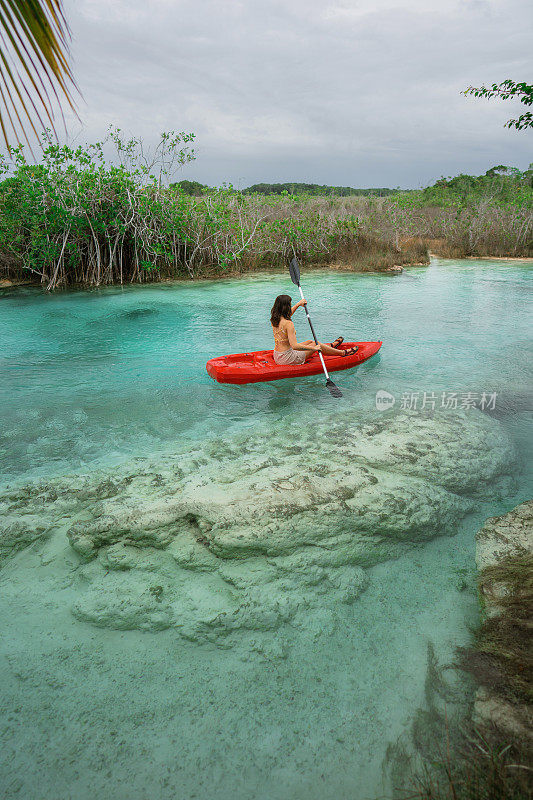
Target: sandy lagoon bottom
(210, 592)
(148, 715)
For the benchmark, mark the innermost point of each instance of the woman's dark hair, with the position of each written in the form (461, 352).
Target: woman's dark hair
(282, 308)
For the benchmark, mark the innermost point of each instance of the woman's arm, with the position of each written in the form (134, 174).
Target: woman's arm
(298, 305)
(291, 333)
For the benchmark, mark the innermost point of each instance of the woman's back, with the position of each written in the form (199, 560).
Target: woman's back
(281, 337)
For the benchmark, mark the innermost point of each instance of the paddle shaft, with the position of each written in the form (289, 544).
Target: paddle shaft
(313, 332)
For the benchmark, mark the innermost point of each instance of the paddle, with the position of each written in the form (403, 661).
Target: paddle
(295, 278)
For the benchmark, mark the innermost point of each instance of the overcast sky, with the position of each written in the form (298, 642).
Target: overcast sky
(345, 92)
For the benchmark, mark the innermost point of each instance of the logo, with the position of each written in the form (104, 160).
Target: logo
(384, 400)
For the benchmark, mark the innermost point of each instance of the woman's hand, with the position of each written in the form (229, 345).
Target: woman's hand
(298, 305)
(317, 348)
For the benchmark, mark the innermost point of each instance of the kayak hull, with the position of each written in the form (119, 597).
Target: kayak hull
(259, 366)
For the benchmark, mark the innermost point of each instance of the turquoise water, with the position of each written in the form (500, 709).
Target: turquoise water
(111, 384)
(90, 376)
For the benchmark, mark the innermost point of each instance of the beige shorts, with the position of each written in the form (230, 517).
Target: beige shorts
(290, 356)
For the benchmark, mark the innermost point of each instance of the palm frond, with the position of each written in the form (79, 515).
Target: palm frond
(35, 74)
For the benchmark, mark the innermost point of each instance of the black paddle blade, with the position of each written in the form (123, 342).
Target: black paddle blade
(333, 390)
(294, 270)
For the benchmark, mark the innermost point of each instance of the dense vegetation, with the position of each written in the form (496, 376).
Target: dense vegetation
(468, 215)
(78, 217)
(500, 184)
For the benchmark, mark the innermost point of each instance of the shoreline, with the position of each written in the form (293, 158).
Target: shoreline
(6, 283)
(527, 259)
(396, 269)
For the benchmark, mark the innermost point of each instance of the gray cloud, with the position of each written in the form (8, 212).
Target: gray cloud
(352, 92)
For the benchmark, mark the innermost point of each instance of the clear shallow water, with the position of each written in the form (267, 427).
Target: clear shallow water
(101, 375)
(91, 376)
(91, 379)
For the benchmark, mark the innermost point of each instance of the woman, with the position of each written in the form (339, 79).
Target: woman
(287, 350)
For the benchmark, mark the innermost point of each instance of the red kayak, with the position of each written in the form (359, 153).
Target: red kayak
(260, 366)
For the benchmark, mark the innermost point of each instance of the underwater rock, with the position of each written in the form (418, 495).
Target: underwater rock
(501, 538)
(511, 718)
(207, 605)
(17, 535)
(145, 589)
(251, 531)
(125, 605)
(353, 516)
(508, 535)
(504, 557)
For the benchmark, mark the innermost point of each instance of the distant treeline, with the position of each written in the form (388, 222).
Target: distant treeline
(314, 189)
(500, 182)
(192, 188)
(196, 189)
